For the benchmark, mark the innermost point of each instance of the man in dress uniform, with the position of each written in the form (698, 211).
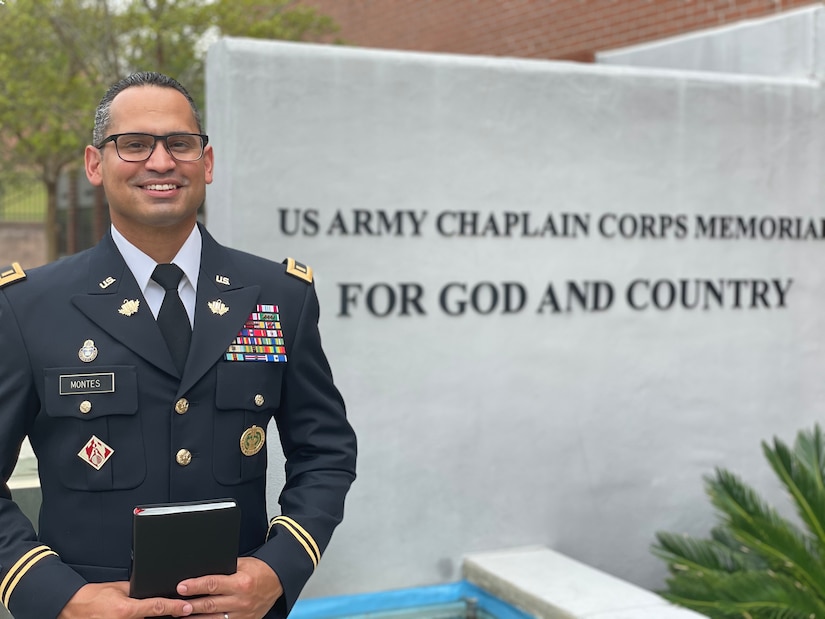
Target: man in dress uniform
(145, 370)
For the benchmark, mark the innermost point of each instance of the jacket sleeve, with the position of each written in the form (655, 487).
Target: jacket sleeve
(34, 582)
(320, 448)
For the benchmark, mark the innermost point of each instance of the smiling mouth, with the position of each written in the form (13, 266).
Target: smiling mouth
(163, 187)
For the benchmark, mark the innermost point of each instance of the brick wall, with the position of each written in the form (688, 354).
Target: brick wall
(552, 29)
(24, 243)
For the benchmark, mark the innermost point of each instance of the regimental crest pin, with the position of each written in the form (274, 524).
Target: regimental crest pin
(87, 352)
(95, 453)
(217, 307)
(129, 307)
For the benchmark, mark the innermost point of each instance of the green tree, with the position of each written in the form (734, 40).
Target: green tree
(757, 564)
(58, 56)
(171, 36)
(45, 89)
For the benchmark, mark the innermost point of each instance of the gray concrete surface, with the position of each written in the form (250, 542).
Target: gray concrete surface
(491, 421)
(789, 44)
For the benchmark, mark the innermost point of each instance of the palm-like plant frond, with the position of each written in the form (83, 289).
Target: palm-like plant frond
(764, 595)
(757, 564)
(802, 471)
(685, 553)
(761, 529)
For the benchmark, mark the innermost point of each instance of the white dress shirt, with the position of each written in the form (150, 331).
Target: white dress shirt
(142, 267)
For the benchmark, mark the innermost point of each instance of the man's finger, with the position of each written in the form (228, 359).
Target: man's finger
(161, 607)
(205, 585)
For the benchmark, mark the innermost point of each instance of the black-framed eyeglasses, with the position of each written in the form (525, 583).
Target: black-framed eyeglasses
(136, 147)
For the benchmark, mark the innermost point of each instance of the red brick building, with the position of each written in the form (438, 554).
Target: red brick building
(550, 29)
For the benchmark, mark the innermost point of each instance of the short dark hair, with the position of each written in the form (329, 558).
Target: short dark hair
(103, 113)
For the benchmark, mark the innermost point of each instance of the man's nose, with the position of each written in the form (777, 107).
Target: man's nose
(160, 158)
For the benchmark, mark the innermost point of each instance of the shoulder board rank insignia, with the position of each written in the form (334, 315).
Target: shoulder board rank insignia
(298, 269)
(10, 274)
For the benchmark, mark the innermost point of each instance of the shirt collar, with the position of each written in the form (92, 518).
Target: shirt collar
(142, 266)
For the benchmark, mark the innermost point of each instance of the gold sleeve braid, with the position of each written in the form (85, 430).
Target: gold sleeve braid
(19, 569)
(299, 533)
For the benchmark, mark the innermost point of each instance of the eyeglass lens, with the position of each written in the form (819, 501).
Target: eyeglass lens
(139, 146)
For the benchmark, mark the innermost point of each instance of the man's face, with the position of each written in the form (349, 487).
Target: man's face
(159, 192)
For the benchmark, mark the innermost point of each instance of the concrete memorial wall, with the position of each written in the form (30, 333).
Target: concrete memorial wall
(554, 295)
(787, 44)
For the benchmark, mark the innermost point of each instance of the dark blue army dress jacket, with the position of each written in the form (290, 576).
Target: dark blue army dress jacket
(87, 375)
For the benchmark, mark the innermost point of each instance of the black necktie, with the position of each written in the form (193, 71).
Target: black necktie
(172, 318)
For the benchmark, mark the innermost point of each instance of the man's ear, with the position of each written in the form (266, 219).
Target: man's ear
(94, 162)
(208, 162)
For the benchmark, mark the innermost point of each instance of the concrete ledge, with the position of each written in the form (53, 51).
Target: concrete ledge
(549, 585)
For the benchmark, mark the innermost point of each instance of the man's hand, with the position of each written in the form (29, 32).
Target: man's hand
(247, 594)
(110, 600)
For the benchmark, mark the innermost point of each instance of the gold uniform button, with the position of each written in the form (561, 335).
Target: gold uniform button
(259, 400)
(183, 457)
(181, 406)
(85, 406)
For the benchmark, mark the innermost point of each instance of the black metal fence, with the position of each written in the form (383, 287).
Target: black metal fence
(22, 198)
(81, 215)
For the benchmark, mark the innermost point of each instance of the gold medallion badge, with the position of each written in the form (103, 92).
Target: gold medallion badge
(252, 440)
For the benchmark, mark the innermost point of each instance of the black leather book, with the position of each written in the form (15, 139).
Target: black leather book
(175, 541)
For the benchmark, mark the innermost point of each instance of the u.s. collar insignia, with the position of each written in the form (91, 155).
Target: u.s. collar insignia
(95, 453)
(252, 440)
(222, 279)
(129, 307)
(217, 307)
(87, 352)
(107, 282)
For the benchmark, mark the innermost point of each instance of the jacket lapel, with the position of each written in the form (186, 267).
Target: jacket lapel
(115, 303)
(216, 325)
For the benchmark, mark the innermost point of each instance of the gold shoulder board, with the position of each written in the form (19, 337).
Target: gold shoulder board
(299, 270)
(13, 273)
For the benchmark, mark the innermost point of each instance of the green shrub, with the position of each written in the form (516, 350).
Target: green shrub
(757, 564)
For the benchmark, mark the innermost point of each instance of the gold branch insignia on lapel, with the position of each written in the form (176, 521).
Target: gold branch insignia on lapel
(217, 307)
(129, 307)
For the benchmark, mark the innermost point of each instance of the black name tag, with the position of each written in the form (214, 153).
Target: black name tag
(87, 383)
